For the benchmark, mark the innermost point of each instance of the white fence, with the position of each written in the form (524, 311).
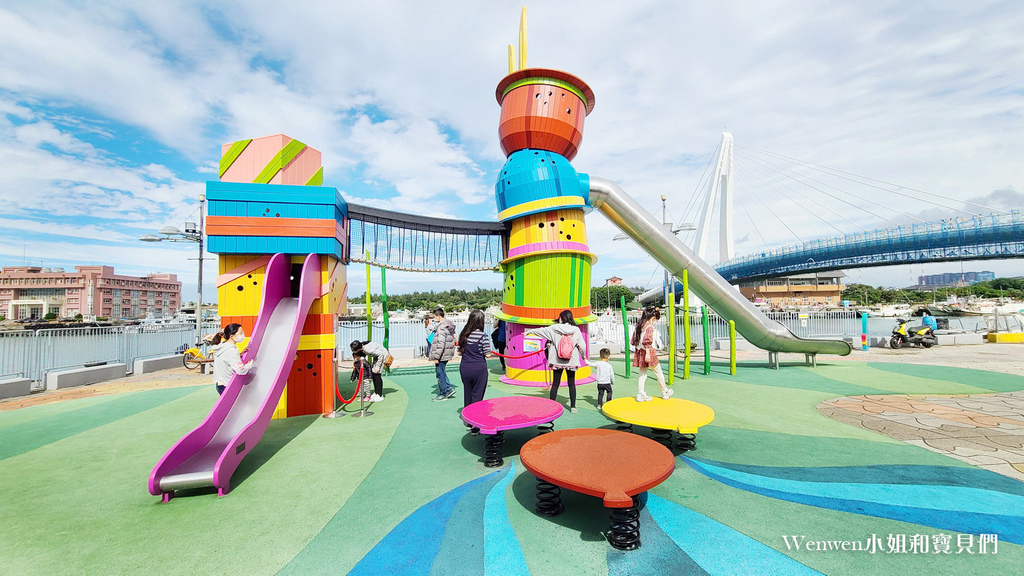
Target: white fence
(834, 324)
(31, 354)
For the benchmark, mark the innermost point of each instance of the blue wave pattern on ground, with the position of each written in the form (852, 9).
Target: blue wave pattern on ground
(717, 548)
(445, 536)
(958, 508)
(502, 553)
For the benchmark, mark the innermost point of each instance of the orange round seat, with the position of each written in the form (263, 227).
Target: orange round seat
(612, 465)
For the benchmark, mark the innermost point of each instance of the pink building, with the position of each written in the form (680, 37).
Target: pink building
(31, 291)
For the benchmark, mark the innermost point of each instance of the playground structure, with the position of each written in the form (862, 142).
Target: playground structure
(270, 201)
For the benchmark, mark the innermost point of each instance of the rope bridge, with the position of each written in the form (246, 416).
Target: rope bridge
(423, 244)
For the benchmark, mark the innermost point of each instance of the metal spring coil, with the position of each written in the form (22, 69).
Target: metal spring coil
(624, 533)
(626, 426)
(549, 499)
(493, 448)
(662, 436)
(687, 442)
(545, 428)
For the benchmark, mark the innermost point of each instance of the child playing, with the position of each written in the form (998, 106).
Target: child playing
(602, 370)
(361, 349)
(358, 364)
(646, 341)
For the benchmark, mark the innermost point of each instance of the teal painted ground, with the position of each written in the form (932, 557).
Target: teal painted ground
(405, 490)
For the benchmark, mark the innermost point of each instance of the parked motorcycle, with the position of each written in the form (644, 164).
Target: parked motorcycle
(903, 335)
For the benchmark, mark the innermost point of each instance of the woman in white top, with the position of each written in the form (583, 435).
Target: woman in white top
(227, 361)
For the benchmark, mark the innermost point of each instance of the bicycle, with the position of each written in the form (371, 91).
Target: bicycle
(194, 358)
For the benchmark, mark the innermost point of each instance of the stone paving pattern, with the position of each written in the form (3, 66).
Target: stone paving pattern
(986, 430)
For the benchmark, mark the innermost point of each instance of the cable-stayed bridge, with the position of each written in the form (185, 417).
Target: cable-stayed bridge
(833, 219)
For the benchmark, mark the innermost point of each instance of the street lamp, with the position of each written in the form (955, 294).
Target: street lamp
(190, 234)
(675, 230)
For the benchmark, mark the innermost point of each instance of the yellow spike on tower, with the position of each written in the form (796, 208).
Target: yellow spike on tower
(511, 59)
(522, 40)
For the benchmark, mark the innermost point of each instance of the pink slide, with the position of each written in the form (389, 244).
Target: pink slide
(209, 455)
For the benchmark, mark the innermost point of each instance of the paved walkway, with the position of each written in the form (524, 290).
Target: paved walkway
(986, 430)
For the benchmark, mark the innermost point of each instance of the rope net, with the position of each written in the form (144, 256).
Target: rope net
(422, 244)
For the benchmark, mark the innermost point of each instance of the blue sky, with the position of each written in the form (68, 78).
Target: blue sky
(112, 113)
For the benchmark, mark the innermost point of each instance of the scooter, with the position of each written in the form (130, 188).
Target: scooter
(903, 335)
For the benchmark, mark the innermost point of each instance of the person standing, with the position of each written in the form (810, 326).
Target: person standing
(227, 361)
(442, 350)
(474, 348)
(605, 376)
(565, 352)
(645, 341)
(498, 337)
(361, 349)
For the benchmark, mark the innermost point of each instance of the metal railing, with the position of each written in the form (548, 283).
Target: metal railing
(33, 353)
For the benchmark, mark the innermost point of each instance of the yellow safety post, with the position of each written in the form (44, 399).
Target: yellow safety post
(672, 331)
(686, 325)
(732, 347)
(369, 316)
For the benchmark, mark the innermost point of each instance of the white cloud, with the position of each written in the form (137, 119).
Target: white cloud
(402, 93)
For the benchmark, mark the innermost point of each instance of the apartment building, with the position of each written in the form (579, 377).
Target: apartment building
(33, 292)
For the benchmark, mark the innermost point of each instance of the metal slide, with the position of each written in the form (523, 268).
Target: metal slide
(675, 256)
(209, 455)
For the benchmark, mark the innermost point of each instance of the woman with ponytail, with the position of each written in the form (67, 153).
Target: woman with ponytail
(227, 361)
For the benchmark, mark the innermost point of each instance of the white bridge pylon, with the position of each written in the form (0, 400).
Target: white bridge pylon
(719, 185)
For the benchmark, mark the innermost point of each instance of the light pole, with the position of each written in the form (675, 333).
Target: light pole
(671, 228)
(191, 234)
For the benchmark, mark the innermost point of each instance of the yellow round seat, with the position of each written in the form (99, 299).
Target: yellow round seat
(676, 414)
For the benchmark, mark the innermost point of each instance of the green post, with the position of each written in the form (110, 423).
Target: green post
(732, 347)
(707, 339)
(672, 331)
(625, 331)
(369, 316)
(686, 325)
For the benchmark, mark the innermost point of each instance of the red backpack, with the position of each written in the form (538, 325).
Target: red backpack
(565, 347)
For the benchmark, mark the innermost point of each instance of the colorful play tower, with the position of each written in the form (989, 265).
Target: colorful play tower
(547, 268)
(269, 200)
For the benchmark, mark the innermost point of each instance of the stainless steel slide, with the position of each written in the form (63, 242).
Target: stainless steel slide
(675, 256)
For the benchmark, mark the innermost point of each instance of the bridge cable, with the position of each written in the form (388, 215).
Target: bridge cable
(768, 209)
(893, 222)
(793, 212)
(754, 224)
(825, 169)
(770, 176)
(700, 183)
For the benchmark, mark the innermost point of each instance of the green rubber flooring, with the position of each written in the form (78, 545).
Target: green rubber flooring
(322, 496)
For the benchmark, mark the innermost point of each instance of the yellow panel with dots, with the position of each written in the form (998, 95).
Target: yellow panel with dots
(240, 296)
(552, 226)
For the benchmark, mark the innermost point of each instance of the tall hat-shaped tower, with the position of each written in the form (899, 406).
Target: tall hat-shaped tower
(547, 269)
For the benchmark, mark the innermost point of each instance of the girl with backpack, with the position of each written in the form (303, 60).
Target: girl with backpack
(645, 341)
(565, 352)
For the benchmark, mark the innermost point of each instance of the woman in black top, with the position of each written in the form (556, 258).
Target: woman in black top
(474, 346)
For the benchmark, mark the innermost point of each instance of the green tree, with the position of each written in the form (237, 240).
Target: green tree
(603, 297)
(50, 316)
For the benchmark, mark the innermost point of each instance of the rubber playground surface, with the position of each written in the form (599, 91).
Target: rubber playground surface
(774, 487)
